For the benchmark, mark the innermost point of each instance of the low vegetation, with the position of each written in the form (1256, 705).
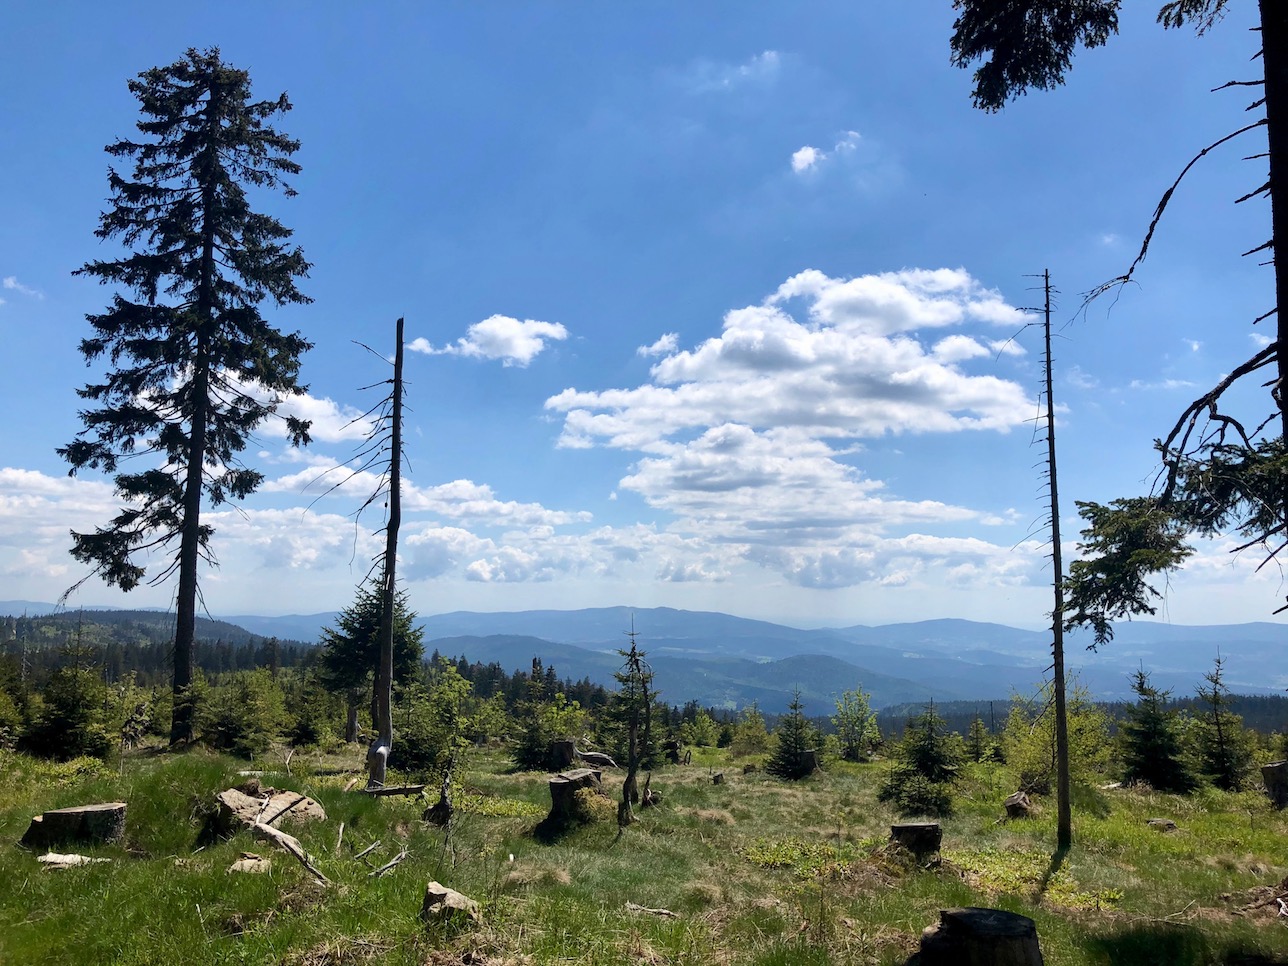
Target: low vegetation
(755, 870)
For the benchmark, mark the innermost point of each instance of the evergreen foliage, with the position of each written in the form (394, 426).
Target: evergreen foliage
(69, 721)
(750, 736)
(1226, 753)
(979, 742)
(195, 367)
(794, 736)
(349, 650)
(1150, 742)
(433, 731)
(926, 763)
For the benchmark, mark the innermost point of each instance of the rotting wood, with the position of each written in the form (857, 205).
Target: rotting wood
(368, 850)
(59, 860)
(339, 838)
(289, 843)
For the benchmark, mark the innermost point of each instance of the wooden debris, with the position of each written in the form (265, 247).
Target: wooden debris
(922, 839)
(102, 823)
(1275, 777)
(597, 759)
(665, 913)
(58, 860)
(390, 865)
(981, 937)
(718, 778)
(369, 849)
(394, 790)
(1161, 824)
(650, 798)
(1018, 805)
(446, 905)
(237, 809)
(289, 843)
(350, 784)
(562, 754)
(563, 788)
(251, 862)
(339, 838)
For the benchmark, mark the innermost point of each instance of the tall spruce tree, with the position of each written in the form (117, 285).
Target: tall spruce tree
(195, 367)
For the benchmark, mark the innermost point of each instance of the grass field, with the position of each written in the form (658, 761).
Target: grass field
(754, 870)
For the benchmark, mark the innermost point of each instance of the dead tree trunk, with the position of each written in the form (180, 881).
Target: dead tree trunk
(378, 753)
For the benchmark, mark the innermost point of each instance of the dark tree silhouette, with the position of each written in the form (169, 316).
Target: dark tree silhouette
(195, 367)
(1219, 472)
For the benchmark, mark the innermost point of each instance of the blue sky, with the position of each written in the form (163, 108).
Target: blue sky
(711, 305)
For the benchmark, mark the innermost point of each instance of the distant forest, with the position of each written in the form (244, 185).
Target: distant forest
(121, 642)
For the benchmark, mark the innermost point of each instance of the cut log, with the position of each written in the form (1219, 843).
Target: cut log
(922, 839)
(1018, 805)
(447, 905)
(58, 860)
(565, 785)
(981, 937)
(1275, 775)
(103, 823)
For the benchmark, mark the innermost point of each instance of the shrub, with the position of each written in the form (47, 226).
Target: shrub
(1029, 739)
(245, 715)
(926, 762)
(70, 721)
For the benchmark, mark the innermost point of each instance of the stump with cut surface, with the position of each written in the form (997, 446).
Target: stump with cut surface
(922, 839)
(565, 785)
(1275, 775)
(102, 823)
(1018, 805)
(981, 937)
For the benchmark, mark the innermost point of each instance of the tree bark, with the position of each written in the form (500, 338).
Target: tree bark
(378, 754)
(1274, 59)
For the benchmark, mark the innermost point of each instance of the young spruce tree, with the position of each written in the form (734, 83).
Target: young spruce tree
(195, 367)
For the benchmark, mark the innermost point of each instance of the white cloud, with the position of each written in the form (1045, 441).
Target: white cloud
(514, 342)
(810, 158)
(1193, 344)
(664, 346)
(1259, 340)
(805, 158)
(11, 283)
(707, 76)
(1080, 379)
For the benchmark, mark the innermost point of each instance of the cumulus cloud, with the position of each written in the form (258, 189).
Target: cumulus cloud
(664, 346)
(713, 77)
(12, 284)
(810, 158)
(514, 342)
(751, 440)
(1163, 384)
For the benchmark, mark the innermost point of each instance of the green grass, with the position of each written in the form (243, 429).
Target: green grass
(757, 871)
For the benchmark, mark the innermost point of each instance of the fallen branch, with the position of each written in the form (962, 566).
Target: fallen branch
(339, 838)
(665, 913)
(370, 848)
(389, 865)
(289, 843)
(394, 790)
(282, 811)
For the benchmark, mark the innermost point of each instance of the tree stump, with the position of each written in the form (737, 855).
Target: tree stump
(981, 937)
(717, 778)
(562, 753)
(102, 823)
(808, 761)
(564, 786)
(922, 839)
(1018, 805)
(672, 750)
(1275, 775)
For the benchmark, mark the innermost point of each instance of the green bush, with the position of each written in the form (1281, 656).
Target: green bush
(244, 715)
(926, 762)
(1029, 739)
(69, 720)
